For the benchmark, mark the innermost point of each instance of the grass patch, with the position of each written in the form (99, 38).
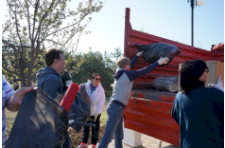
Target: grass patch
(107, 98)
(10, 119)
(103, 118)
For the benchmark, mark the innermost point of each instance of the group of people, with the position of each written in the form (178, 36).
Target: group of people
(198, 110)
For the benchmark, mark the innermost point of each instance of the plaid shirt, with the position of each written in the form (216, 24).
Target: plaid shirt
(7, 92)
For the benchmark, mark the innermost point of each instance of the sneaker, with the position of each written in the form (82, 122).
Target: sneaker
(83, 146)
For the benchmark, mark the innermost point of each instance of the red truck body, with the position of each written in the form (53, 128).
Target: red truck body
(149, 111)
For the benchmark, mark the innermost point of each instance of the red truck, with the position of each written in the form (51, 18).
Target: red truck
(148, 110)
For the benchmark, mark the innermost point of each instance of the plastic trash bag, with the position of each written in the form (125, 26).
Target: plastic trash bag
(79, 113)
(40, 123)
(153, 52)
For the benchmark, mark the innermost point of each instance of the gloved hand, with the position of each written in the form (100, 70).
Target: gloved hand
(95, 117)
(218, 85)
(162, 60)
(66, 78)
(139, 53)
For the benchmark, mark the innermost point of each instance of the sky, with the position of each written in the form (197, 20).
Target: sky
(170, 19)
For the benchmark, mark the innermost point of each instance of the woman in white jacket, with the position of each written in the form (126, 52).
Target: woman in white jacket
(94, 95)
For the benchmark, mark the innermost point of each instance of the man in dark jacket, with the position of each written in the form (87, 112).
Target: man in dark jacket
(49, 78)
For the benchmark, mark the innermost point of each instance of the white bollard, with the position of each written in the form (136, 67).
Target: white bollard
(131, 137)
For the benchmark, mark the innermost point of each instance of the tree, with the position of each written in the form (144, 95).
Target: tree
(116, 54)
(33, 24)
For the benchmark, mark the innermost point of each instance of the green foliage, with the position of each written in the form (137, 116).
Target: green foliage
(82, 66)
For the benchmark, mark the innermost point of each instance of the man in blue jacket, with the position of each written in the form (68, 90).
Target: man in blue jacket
(49, 78)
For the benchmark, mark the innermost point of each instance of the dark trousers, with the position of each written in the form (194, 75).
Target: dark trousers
(67, 141)
(95, 130)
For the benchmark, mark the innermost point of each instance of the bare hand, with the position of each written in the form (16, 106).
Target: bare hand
(16, 99)
(20, 93)
(218, 85)
(95, 117)
(162, 61)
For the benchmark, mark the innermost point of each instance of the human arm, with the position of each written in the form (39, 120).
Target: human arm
(134, 74)
(14, 102)
(175, 111)
(133, 61)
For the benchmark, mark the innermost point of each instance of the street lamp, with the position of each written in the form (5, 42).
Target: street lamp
(193, 3)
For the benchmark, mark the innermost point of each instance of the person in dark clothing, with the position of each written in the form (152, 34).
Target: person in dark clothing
(198, 110)
(49, 78)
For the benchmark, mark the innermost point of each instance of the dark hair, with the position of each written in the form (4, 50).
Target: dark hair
(94, 75)
(190, 73)
(51, 55)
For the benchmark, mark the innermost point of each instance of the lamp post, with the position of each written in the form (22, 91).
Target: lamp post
(193, 3)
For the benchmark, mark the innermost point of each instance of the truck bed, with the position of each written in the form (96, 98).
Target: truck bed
(152, 94)
(149, 112)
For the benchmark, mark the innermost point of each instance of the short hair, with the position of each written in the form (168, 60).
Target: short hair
(51, 55)
(190, 73)
(94, 75)
(122, 62)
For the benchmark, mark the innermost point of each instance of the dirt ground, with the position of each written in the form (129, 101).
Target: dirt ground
(76, 138)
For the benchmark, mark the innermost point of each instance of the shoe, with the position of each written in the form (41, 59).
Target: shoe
(83, 146)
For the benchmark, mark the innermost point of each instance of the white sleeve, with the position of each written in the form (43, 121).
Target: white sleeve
(101, 102)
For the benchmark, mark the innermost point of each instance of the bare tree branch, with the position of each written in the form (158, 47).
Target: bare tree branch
(28, 19)
(54, 42)
(10, 71)
(60, 30)
(34, 19)
(17, 27)
(15, 54)
(50, 9)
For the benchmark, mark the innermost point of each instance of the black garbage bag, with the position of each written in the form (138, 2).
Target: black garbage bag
(40, 123)
(79, 114)
(153, 52)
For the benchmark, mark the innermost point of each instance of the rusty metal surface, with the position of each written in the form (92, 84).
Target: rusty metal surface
(152, 118)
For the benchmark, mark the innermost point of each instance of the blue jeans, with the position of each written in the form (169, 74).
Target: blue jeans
(114, 124)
